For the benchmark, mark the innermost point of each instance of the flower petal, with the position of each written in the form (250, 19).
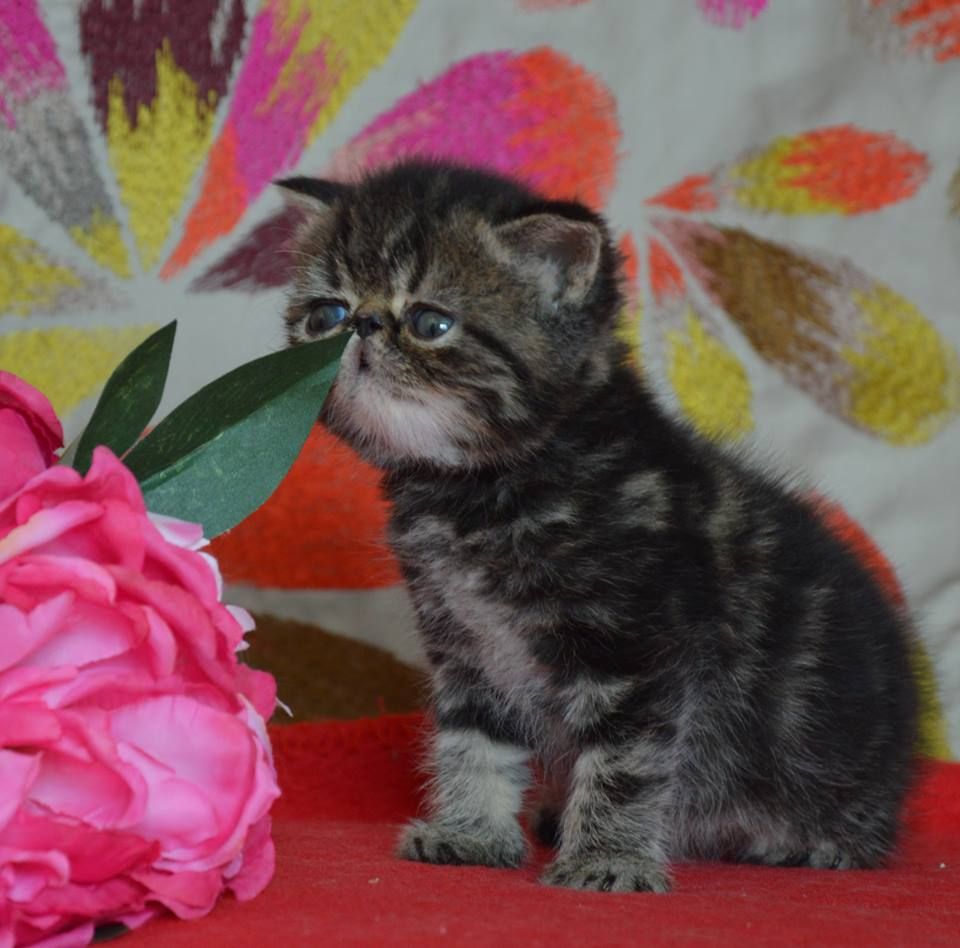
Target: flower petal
(861, 350)
(58, 168)
(709, 381)
(33, 282)
(925, 28)
(303, 60)
(155, 96)
(66, 363)
(733, 13)
(628, 326)
(536, 115)
(832, 170)
(346, 549)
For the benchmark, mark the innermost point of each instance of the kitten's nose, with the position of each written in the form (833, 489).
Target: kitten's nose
(367, 325)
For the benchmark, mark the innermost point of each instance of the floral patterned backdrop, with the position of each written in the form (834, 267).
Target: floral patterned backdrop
(783, 177)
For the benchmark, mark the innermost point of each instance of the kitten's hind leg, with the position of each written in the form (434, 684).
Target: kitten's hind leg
(822, 855)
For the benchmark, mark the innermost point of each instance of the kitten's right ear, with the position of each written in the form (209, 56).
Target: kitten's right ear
(311, 194)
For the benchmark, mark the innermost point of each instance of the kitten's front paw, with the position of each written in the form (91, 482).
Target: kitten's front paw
(608, 873)
(442, 845)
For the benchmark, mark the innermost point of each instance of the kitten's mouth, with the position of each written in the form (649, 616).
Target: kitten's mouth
(363, 362)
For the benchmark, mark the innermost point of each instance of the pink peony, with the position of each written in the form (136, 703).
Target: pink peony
(30, 433)
(135, 768)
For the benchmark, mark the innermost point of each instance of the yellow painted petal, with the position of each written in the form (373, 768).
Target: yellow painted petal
(861, 350)
(711, 384)
(838, 169)
(906, 383)
(933, 739)
(102, 239)
(68, 364)
(156, 157)
(31, 281)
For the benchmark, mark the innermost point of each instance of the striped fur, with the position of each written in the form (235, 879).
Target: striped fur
(698, 665)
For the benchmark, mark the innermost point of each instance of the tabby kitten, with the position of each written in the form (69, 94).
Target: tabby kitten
(697, 665)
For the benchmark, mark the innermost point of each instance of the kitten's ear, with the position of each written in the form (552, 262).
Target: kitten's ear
(563, 254)
(311, 194)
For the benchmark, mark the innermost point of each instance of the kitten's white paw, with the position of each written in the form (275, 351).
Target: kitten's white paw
(439, 844)
(608, 873)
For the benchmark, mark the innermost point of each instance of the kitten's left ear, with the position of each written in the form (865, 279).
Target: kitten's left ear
(311, 194)
(563, 254)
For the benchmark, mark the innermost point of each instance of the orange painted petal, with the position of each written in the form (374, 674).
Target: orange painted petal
(861, 350)
(323, 528)
(927, 28)
(833, 170)
(693, 193)
(666, 277)
(218, 209)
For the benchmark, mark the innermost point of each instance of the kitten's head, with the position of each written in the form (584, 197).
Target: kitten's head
(479, 310)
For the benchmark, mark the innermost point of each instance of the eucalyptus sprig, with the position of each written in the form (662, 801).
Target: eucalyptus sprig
(220, 454)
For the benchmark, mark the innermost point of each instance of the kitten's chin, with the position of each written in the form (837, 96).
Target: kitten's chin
(388, 431)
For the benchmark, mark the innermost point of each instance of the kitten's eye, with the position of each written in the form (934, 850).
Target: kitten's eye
(325, 317)
(429, 324)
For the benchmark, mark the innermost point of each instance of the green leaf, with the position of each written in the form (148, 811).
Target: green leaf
(218, 456)
(129, 398)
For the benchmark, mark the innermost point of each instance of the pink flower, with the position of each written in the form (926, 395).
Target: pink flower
(30, 433)
(135, 768)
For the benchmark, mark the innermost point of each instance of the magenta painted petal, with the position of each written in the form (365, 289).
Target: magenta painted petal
(536, 115)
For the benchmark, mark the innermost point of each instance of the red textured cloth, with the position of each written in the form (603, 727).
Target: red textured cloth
(348, 786)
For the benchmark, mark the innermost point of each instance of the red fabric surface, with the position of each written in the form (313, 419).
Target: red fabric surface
(348, 785)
